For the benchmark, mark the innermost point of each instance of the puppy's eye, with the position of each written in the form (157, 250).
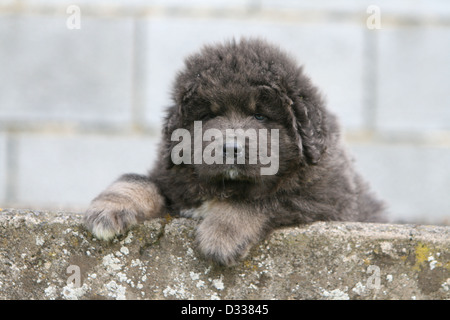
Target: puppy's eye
(259, 116)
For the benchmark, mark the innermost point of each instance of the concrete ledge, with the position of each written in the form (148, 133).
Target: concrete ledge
(49, 255)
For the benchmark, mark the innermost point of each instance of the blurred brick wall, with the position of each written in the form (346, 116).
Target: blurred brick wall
(79, 107)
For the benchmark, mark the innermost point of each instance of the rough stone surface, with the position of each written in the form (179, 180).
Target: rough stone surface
(49, 255)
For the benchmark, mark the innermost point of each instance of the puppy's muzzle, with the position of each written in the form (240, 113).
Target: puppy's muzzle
(232, 150)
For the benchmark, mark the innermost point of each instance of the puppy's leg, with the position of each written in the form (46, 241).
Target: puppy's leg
(129, 200)
(229, 230)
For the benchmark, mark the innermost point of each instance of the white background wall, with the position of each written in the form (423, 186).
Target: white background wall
(79, 107)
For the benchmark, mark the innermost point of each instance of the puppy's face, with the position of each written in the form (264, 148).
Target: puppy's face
(238, 135)
(249, 116)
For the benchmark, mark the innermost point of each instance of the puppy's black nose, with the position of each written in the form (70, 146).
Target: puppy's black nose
(232, 149)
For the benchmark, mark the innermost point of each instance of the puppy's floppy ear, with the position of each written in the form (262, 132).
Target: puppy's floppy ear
(310, 116)
(308, 120)
(183, 91)
(274, 91)
(172, 121)
(186, 83)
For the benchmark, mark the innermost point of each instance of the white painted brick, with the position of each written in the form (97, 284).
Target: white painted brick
(51, 73)
(414, 180)
(331, 53)
(3, 167)
(424, 8)
(144, 3)
(420, 9)
(71, 170)
(413, 79)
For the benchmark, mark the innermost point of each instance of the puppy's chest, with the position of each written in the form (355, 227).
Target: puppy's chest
(200, 212)
(213, 207)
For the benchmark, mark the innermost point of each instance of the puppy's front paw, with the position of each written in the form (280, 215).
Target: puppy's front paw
(129, 200)
(221, 244)
(108, 220)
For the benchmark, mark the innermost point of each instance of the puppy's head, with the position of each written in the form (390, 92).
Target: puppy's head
(254, 89)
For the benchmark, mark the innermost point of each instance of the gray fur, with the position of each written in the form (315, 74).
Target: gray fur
(224, 86)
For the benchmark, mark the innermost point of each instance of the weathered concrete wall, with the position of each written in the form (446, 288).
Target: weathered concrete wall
(45, 255)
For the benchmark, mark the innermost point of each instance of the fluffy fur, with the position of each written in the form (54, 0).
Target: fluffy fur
(243, 85)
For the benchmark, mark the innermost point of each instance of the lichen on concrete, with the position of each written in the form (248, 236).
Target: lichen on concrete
(50, 255)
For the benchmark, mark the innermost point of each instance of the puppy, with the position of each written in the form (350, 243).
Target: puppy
(247, 146)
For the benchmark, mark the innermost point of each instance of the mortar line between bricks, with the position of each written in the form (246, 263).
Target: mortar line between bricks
(370, 78)
(11, 168)
(138, 77)
(78, 128)
(286, 15)
(435, 139)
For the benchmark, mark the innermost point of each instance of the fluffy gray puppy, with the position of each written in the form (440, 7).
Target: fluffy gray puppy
(256, 88)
